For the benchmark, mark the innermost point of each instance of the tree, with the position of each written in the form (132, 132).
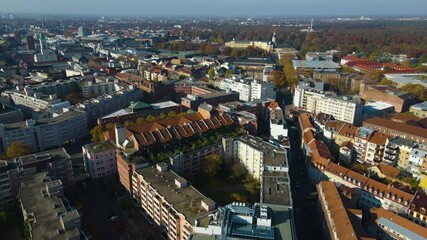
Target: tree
(211, 73)
(278, 78)
(416, 89)
(161, 116)
(229, 73)
(140, 120)
(97, 134)
(385, 81)
(251, 185)
(172, 114)
(128, 123)
(213, 164)
(17, 71)
(18, 149)
(150, 118)
(238, 197)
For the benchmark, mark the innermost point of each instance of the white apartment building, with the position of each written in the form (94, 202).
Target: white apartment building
(256, 155)
(249, 90)
(45, 133)
(341, 108)
(32, 100)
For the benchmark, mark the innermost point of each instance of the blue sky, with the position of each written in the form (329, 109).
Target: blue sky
(219, 7)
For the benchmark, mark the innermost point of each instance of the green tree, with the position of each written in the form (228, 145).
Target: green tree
(229, 73)
(18, 149)
(17, 71)
(97, 133)
(213, 164)
(251, 185)
(211, 73)
(161, 116)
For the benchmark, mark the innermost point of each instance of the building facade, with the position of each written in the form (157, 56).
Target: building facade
(100, 159)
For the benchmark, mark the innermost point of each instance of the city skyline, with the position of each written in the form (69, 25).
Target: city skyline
(220, 8)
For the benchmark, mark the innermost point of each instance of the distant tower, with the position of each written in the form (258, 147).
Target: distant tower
(42, 39)
(82, 31)
(273, 38)
(43, 23)
(311, 26)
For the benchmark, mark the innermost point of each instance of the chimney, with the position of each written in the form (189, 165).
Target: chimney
(120, 134)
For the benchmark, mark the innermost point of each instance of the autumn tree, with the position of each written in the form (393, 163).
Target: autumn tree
(229, 73)
(18, 149)
(278, 78)
(238, 197)
(416, 89)
(97, 133)
(213, 164)
(150, 118)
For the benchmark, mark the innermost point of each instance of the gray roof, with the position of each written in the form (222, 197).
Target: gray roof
(420, 106)
(399, 229)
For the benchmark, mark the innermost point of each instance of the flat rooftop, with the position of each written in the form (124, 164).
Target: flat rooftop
(273, 156)
(185, 200)
(275, 188)
(413, 78)
(55, 154)
(46, 210)
(99, 147)
(315, 64)
(420, 106)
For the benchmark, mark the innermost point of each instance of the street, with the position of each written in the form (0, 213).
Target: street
(305, 210)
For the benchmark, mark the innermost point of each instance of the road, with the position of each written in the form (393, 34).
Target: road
(305, 210)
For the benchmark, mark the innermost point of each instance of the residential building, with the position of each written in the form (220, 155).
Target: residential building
(417, 210)
(401, 79)
(213, 98)
(391, 95)
(375, 148)
(246, 221)
(336, 223)
(191, 163)
(416, 160)
(397, 129)
(360, 143)
(45, 133)
(256, 155)
(9, 183)
(387, 225)
(278, 125)
(398, 151)
(169, 201)
(344, 109)
(82, 31)
(105, 104)
(27, 99)
(248, 89)
(178, 129)
(100, 159)
(57, 163)
(384, 171)
(45, 211)
(419, 109)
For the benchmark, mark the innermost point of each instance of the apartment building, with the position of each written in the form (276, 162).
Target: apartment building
(214, 98)
(344, 109)
(360, 143)
(404, 130)
(141, 136)
(397, 152)
(30, 100)
(100, 159)
(191, 163)
(375, 148)
(169, 201)
(335, 220)
(248, 89)
(419, 109)
(9, 183)
(45, 133)
(278, 125)
(105, 104)
(49, 218)
(257, 156)
(417, 210)
(387, 225)
(417, 159)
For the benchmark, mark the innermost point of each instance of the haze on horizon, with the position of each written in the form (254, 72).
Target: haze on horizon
(219, 7)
